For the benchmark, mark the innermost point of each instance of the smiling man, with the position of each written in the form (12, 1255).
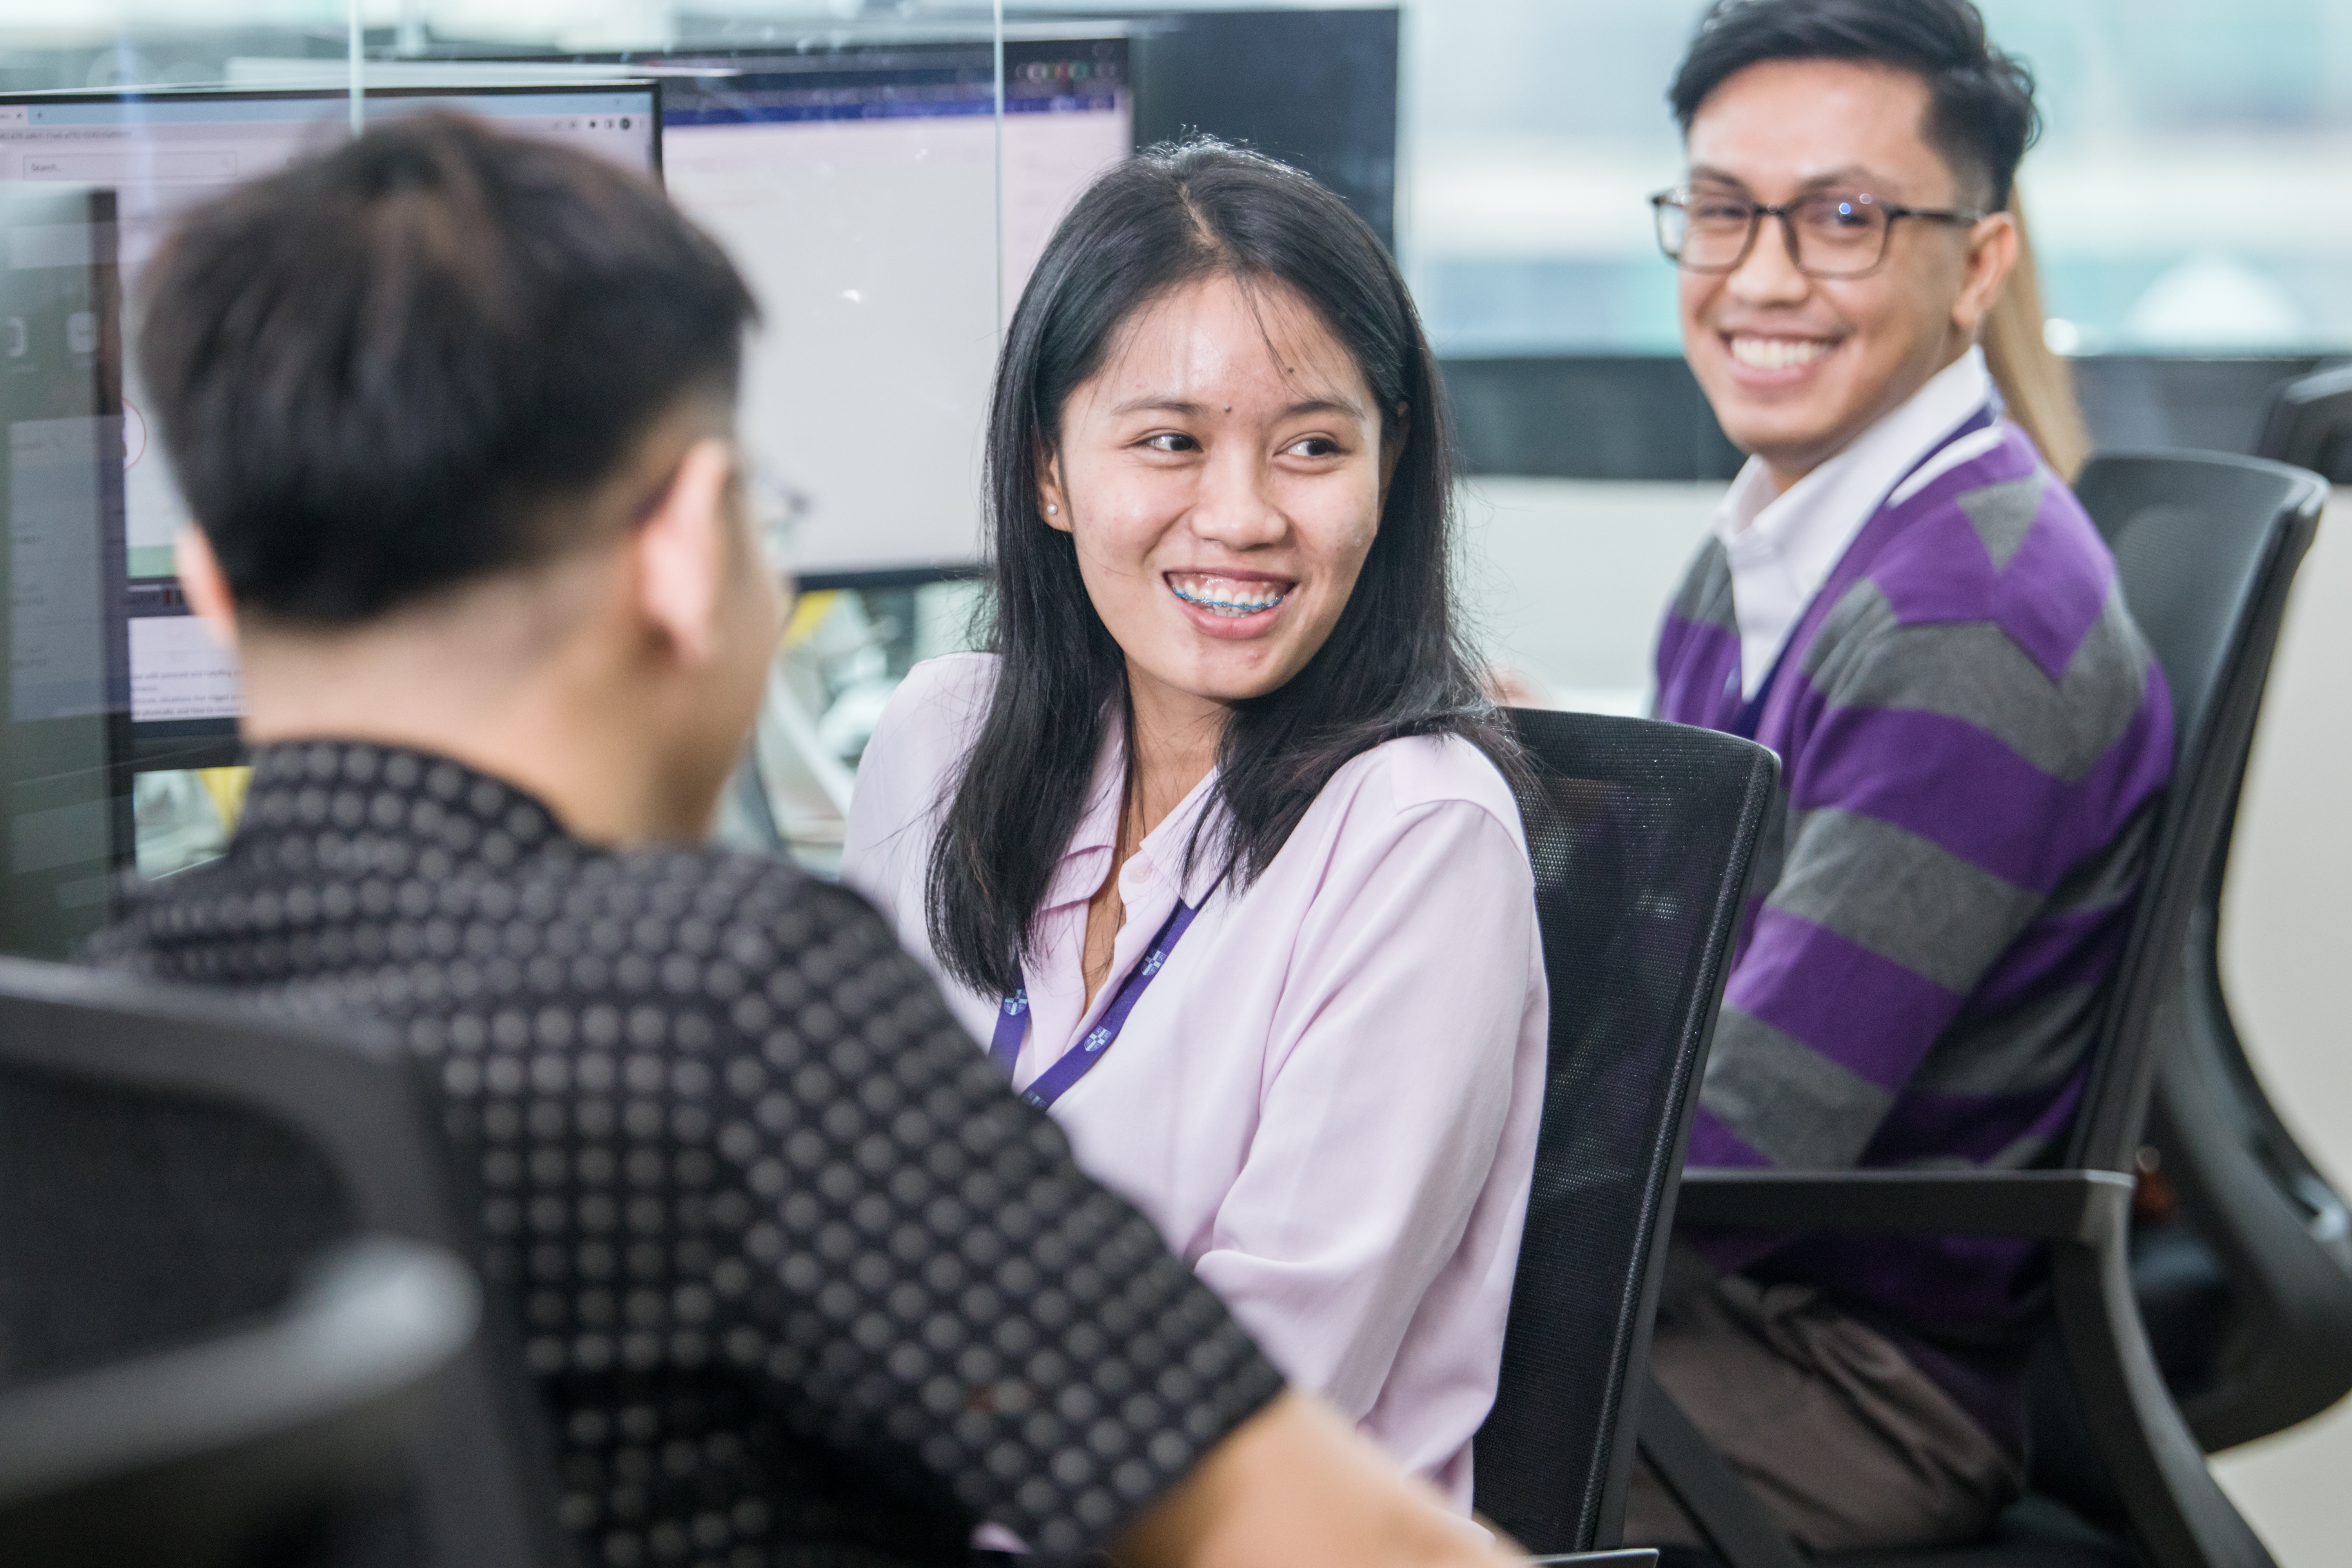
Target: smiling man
(1903, 601)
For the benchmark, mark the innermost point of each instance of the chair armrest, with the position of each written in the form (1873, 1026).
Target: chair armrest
(1622, 1557)
(2086, 1206)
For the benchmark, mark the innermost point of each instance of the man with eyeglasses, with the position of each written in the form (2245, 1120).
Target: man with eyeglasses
(1905, 602)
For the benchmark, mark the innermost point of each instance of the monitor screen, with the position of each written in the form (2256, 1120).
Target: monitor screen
(63, 813)
(859, 190)
(158, 153)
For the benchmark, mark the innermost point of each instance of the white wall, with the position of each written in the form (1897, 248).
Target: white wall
(1565, 582)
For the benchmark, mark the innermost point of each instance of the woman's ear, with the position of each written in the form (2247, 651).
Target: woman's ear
(1053, 501)
(684, 550)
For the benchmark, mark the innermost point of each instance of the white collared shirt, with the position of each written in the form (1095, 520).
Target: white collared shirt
(1783, 548)
(1327, 1100)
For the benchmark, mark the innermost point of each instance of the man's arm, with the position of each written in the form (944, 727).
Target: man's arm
(1952, 795)
(947, 1294)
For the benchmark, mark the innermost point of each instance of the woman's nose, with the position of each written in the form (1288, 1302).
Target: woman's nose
(1235, 506)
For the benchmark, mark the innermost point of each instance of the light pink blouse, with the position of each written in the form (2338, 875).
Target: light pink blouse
(1327, 1101)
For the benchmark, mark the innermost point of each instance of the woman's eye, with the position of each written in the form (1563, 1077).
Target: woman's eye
(1312, 446)
(1170, 441)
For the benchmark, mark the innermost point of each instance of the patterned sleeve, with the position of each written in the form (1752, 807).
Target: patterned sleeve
(927, 1275)
(1962, 842)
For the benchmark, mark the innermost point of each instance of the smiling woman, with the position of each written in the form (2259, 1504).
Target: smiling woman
(1213, 845)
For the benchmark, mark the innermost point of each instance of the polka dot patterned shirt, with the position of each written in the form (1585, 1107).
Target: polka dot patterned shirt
(802, 1281)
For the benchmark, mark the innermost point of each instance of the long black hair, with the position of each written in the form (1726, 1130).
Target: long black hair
(1394, 664)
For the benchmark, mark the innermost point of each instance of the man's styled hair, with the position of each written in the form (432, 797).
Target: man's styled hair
(1980, 115)
(379, 373)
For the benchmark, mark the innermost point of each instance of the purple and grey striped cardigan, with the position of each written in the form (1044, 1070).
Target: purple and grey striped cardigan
(1973, 738)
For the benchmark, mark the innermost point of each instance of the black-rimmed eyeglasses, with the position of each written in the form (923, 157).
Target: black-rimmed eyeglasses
(1830, 234)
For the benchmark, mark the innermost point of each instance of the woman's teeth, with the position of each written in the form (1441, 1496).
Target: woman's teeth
(1227, 596)
(1777, 354)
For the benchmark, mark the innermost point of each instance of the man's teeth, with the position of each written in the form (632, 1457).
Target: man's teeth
(1777, 354)
(1227, 596)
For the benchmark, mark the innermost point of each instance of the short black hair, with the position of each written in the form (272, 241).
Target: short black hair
(1981, 116)
(378, 372)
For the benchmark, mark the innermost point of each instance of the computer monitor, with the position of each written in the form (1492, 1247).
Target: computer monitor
(61, 811)
(173, 693)
(160, 152)
(860, 189)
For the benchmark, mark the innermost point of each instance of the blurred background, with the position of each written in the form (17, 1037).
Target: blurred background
(886, 172)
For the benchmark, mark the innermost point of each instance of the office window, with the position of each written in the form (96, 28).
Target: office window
(2191, 194)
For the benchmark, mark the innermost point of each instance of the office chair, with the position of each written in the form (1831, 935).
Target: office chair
(1642, 836)
(2206, 547)
(188, 1187)
(2307, 422)
(243, 1447)
(2247, 1288)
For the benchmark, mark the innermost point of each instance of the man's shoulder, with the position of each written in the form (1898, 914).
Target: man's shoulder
(1997, 608)
(1702, 596)
(675, 924)
(2001, 538)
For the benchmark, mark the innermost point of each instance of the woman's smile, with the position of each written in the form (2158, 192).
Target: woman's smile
(1232, 604)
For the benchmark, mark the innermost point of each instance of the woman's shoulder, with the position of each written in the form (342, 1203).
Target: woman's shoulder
(1416, 772)
(922, 737)
(937, 708)
(949, 686)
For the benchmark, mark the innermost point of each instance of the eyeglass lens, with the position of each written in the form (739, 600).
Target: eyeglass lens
(1834, 233)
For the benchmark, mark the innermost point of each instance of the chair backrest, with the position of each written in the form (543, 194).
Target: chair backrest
(1642, 836)
(2261, 1210)
(171, 1163)
(2206, 547)
(278, 1441)
(2308, 423)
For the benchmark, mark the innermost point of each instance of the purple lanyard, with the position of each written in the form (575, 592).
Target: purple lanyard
(1012, 1019)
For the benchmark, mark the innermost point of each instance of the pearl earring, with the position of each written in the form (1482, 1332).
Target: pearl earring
(1050, 508)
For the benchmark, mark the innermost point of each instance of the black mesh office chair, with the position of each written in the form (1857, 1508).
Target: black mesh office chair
(181, 1185)
(2206, 547)
(2308, 423)
(2246, 1284)
(251, 1445)
(1643, 835)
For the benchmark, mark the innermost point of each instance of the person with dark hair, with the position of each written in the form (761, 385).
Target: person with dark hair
(1213, 845)
(799, 1278)
(1904, 601)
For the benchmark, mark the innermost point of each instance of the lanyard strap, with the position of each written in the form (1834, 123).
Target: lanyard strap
(1013, 1018)
(1886, 520)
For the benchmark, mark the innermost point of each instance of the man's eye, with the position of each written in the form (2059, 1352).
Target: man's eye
(1719, 210)
(1844, 211)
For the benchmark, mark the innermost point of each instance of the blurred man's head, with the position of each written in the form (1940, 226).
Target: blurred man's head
(454, 414)
(1892, 131)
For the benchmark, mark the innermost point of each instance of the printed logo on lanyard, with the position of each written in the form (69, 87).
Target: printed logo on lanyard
(1011, 1018)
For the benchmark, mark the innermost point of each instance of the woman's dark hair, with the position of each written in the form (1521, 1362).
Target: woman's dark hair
(375, 370)
(1980, 115)
(1394, 664)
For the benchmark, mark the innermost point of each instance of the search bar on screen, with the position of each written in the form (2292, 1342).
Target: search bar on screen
(131, 167)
